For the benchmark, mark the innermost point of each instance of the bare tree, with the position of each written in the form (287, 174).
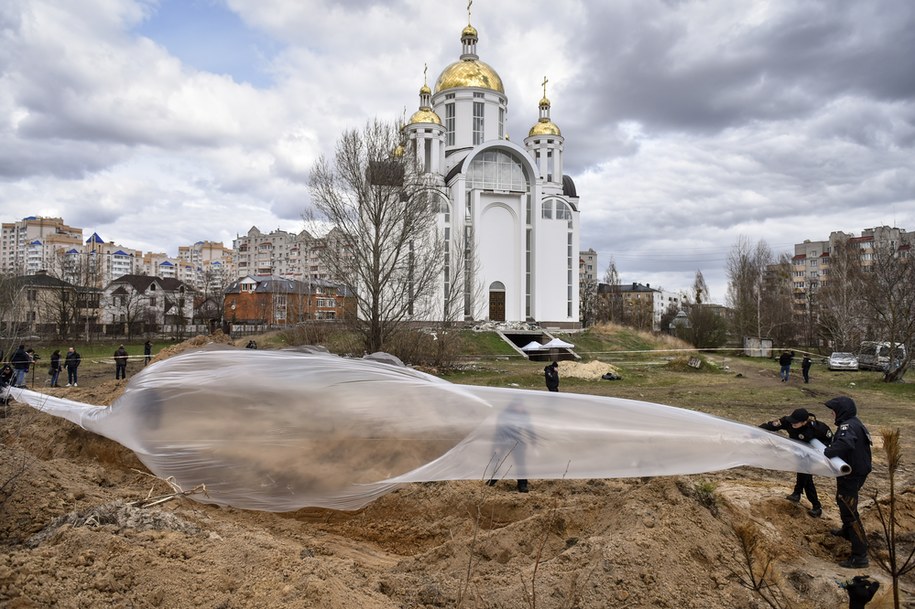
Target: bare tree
(840, 299)
(385, 211)
(587, 301)
(12, 326)
(609, 305)
(889, 295)
(776, 304)
(128, 306)
(746, 267)
(706, 329)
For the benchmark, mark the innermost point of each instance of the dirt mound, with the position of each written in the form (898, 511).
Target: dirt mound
(590, 371)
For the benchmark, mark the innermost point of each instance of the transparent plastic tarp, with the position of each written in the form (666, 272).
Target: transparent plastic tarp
(283, 430)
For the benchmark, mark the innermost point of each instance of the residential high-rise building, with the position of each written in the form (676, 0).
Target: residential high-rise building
(811, 260)
(587, 266)
(32, 244)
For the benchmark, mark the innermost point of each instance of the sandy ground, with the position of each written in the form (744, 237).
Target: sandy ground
(72, 537)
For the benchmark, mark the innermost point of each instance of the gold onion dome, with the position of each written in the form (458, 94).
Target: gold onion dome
(425, 115)
(544, 127)
(469, 32)
(425, 90)
(469, 73)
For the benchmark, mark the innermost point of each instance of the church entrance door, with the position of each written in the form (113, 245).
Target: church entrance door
(497, 301)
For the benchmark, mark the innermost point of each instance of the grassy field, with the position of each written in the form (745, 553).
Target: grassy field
(728, 385)
(653, 369)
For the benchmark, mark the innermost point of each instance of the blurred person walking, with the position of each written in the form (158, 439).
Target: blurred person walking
(785, 362)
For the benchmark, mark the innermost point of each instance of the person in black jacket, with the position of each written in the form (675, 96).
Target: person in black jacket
(803, 426)
(55, 368)
(147, 352)
(805, 368)
(21, 362)
(71, 363)
(6, 379)
(852, 444)
(120, 363)
(784, 361)
(551, 372)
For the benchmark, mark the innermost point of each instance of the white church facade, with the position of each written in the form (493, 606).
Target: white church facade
(511, 201)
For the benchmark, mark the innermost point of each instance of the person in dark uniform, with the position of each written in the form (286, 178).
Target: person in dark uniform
(551, 373)
(120, 363)
(852, 444)
(805, 368)
(803, 426)
(147, 352)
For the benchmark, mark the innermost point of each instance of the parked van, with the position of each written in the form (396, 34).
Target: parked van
(875, 355)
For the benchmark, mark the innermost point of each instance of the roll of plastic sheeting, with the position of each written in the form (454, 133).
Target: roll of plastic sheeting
(840, 466)
(283, 430)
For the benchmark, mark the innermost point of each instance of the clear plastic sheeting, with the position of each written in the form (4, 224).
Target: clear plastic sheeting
(283, 430)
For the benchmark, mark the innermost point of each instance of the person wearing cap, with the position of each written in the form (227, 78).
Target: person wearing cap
(852, 444)
(803, 426)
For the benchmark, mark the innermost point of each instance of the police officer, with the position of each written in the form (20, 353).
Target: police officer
(551, 373)
(852, 444)
(803, 426)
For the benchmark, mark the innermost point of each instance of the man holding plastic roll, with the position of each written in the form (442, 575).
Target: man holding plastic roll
(803, 426)
(852, 444)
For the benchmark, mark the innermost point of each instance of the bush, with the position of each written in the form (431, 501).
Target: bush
(431, 348)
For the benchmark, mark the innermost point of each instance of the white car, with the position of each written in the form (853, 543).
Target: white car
(842, 361)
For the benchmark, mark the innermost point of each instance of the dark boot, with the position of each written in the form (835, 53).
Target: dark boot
(855, 562)
(522, 486)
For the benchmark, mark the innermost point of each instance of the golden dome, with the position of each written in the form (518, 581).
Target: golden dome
(469, 73)
(469, 31)
(544, 127)
(425, 90)
(425, 116)
(544, 102)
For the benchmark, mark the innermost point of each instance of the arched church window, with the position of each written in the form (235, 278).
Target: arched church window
(562, 211)
(547, 210)
(496, 170)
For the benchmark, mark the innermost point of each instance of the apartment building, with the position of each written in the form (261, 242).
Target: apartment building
(31, 244)
(283, 254)
(587, 266)
(207, 265)
(810, 263)
(641, 306)
(272, 300)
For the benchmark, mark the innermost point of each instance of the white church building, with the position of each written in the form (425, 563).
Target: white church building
(513, 202)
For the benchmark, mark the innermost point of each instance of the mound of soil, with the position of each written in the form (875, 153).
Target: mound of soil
(78, 529)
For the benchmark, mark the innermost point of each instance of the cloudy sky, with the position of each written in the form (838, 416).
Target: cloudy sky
(158, 123)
